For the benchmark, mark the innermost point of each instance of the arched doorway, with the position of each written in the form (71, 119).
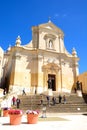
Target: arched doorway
(51, 70)
(53, 80)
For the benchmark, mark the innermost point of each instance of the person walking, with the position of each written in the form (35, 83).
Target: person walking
(23, 92)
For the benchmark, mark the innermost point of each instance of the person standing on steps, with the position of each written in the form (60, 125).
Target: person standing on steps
(14, 100)
(49, 83)
(48, 100)
(18, 102)
(54, 100)
(64, 99)
(60, 98)
(41, 101)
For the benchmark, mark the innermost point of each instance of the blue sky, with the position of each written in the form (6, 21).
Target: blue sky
(18, 16)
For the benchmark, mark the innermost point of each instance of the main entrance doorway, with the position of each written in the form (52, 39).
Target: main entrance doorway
(53, 80)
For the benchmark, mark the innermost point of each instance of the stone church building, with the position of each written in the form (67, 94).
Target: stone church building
(45, 57)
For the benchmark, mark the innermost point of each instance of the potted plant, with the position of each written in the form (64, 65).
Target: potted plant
(5, 111)
(15, 116)
(32, 116)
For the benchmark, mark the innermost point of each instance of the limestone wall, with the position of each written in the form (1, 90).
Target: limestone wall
(83, 79)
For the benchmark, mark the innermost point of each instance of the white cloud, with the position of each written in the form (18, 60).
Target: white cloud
(56, 15)
(59, 16)
(64, 15)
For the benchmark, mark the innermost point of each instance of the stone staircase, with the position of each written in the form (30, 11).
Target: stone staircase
(74, 104)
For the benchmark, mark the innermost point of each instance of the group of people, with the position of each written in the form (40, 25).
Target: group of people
(61, 99)
(15, 101)
(53, 100)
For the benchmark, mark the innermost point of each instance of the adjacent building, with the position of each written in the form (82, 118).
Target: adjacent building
(83, 80)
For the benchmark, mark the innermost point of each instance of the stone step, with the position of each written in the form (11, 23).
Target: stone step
(37, 100)
(59, 109)
(74, 103)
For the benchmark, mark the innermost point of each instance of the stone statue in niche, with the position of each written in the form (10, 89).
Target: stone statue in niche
(78, 85)
(50, 44)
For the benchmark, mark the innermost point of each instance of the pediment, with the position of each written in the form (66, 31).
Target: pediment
(51, 66)
(51, 26)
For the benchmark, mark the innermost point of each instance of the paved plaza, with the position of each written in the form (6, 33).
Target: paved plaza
(68, 122)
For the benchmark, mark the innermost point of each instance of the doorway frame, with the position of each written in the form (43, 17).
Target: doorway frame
(53, 78)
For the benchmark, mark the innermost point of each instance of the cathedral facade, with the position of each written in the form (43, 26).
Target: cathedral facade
(45, 57)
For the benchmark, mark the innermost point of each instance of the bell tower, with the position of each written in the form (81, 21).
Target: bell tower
(35, 37)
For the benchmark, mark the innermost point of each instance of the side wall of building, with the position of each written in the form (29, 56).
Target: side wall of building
(83, 79)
